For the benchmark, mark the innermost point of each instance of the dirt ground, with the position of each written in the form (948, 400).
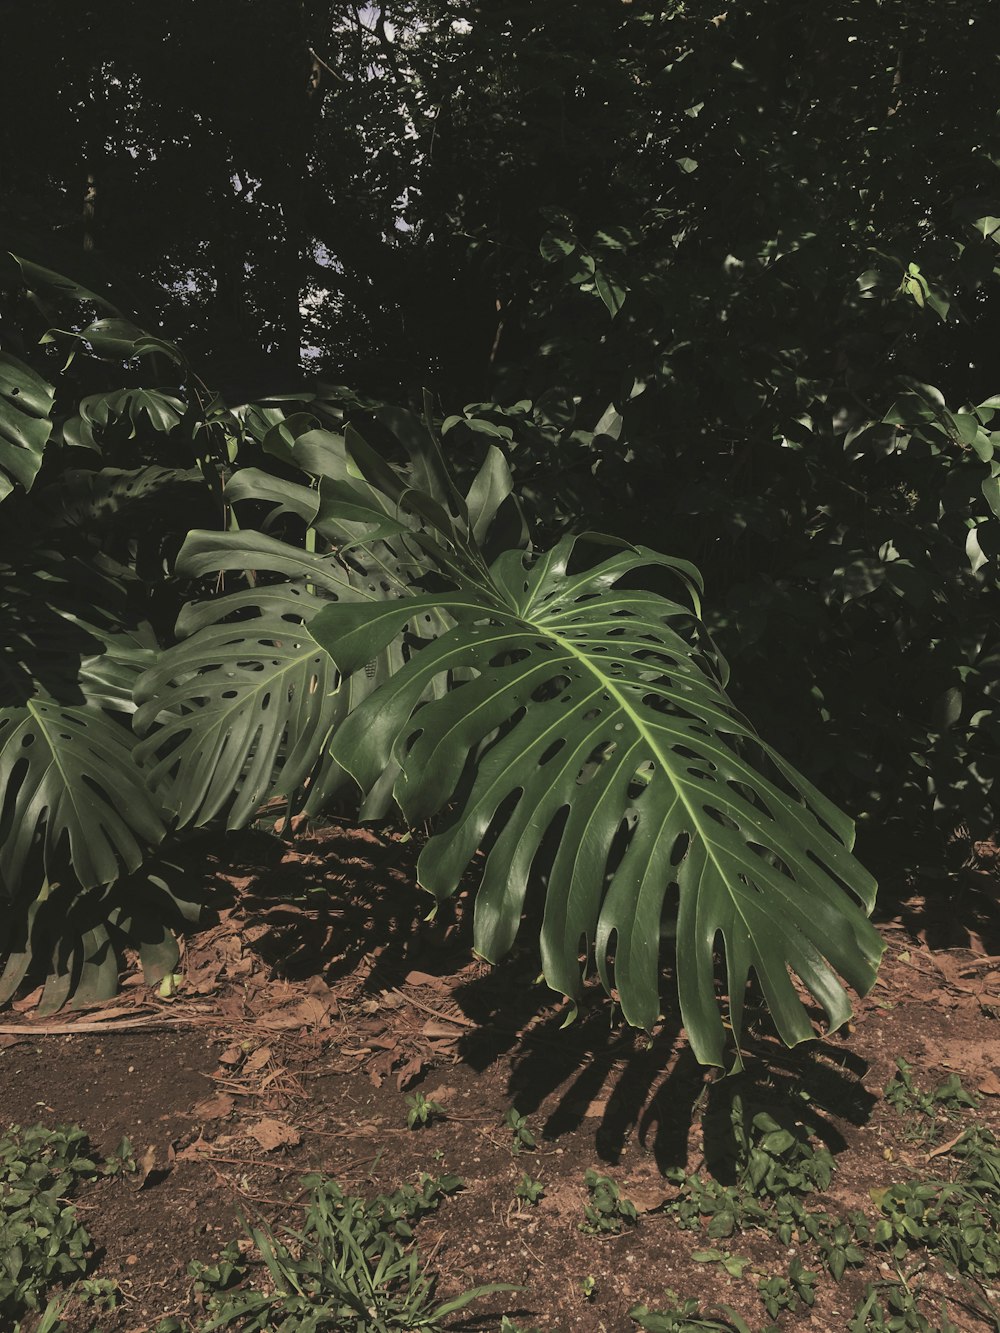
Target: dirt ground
(320, 1000)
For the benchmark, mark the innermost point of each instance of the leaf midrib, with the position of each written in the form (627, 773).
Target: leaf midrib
(55, 759)
(587, 663)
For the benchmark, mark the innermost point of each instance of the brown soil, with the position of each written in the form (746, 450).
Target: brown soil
(320, 999)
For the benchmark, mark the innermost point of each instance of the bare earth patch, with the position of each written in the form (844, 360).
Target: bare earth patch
(321, 1001)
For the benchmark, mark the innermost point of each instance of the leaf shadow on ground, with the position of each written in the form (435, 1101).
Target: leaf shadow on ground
(324, 906)
(346, 904)
(630, 1084)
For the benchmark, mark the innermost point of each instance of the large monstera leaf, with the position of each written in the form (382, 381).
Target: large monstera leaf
(238, 712)
(242, 710)
(587, 733)
(25, 423)
(69, 786)
(67, 776)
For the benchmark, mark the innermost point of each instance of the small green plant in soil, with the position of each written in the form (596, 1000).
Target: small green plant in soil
(43, 1244)
(352, 1265)
(122, 1161)
(421, 1112)
(521, 1135)
(100, 1292)
(588, 1287)
(780, 1293)
(922, 1111)
(734, 1264)
(528, 1190)
(606, 1212)
(773, 1160)
(42, 1241)
(686, 1317)
(892, 1308)
(959, 1220)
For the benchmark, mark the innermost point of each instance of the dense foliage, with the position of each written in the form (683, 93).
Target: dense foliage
(723, 284)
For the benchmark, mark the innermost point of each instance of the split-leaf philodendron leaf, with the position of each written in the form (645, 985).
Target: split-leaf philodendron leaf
(588, 733)
(25, 426)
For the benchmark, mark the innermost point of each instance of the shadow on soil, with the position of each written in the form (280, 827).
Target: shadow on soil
(349, 895)
(630, 1084)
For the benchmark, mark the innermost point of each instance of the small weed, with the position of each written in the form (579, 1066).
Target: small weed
(41, 1239)
(100, 1292)
(687, 1317)
(518, 1126)
(897, 1312)
(958, 1219)
(588, 1287)
(779, 1293)
(922, 1111)
(421, 1112)
(734, 1264)
(606, 1212)
(349, 1266)
(528, 1190)
(121, 1161)
(774, 1161)
(507, 1325)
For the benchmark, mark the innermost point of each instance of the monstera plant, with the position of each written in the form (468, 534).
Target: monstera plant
(349, 616)
(550, 707)
(91, 481)
(576, 723)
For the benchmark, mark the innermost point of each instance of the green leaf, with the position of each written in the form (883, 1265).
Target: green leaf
(37, 278)
(121, 340)
(67, 773)
(492, 485)
(240, 711)
(609, 291)
(25, 426)
(988, 226)
(591, 718)
(555, 246)
(139, 409)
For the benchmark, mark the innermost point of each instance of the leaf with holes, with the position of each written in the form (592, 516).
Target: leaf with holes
(67, 776)
(130, 410)
(592, 741)
(240, 710)
(25, 425)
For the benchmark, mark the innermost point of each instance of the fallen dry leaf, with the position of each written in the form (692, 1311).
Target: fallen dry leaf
(440, 1094)
(257, 1060)
(946, 1147)
(150, 1171)
(27, 1002)
(193, 1151)
(417, 978)
(232, 1055)
(313, 1011)
(272, 1134)
(989, 1084)
(413, 1068)
(213, 1108)
(282, 1022)
(647, 1196)
(441, 1031)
